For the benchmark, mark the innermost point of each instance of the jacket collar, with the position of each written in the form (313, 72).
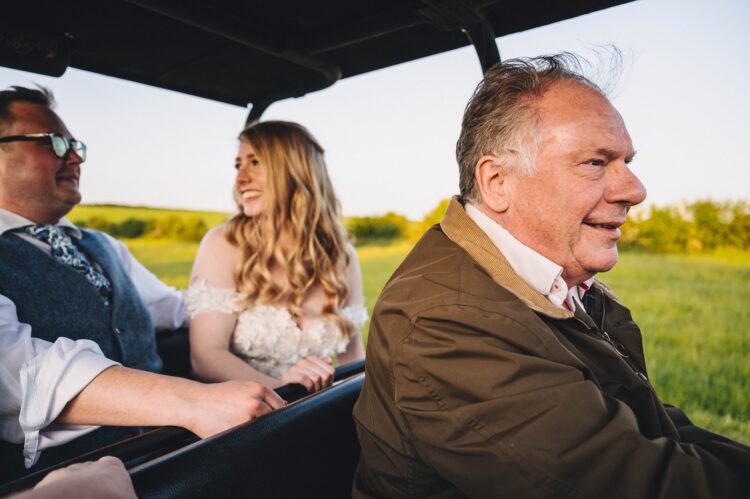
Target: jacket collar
(462, 230)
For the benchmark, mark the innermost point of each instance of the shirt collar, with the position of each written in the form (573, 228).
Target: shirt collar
(537, 270)
(11, 221)
(541, 273)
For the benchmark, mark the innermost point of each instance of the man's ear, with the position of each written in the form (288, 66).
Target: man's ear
(490, 177)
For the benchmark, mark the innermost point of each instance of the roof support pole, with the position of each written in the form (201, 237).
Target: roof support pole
(259, 107)
(467, 16)
(482, 37)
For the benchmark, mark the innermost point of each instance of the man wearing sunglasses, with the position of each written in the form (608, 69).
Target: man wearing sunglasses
(61, 145)
(78, 312)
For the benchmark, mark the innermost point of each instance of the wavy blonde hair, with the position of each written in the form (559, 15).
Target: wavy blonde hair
(300, 200)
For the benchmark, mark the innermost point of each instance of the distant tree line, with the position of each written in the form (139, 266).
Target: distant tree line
(182, 228)
(689, 227)
(685, 228)
(379, 229)
(392, 226)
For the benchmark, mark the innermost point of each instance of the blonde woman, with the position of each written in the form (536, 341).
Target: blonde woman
(276, 292)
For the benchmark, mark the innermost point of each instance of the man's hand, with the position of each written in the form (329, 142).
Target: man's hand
(105, 478)
(311, 372)
(222, 406)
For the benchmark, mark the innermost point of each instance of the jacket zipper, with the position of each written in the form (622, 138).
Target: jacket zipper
(618, 347)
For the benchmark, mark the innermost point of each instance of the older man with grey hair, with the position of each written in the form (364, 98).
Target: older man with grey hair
(497, 365)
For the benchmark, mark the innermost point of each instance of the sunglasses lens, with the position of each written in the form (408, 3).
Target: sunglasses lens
(60, 145)
(80, 149)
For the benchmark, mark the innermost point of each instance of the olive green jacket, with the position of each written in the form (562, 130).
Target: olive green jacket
(476, 385)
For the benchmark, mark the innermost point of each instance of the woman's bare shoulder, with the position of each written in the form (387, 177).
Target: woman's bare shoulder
(216, 240)
(217, 258)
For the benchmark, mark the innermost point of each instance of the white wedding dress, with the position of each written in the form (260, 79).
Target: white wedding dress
(267, 337)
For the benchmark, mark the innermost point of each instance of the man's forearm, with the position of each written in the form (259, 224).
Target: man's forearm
(125, 397)
(119, 396)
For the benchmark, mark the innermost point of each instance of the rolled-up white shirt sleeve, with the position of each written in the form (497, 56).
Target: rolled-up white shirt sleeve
(165, 304)
(37, 380)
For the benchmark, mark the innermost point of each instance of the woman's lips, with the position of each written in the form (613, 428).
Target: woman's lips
(250, 194)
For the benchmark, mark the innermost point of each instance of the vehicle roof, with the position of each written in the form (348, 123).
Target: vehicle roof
(242, 52)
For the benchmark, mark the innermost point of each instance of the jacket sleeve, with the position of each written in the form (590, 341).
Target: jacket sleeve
(495, 413)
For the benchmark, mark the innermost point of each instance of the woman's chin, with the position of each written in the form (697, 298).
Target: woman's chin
(252, 210)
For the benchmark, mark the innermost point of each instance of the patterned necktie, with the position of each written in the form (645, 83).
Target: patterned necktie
(65, 251)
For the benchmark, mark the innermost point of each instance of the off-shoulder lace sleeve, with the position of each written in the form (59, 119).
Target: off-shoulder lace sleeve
(356, 313)
(200, 297)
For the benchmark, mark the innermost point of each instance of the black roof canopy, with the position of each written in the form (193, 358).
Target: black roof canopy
(243, 52)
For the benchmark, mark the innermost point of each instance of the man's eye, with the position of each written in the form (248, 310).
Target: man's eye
(595, 162)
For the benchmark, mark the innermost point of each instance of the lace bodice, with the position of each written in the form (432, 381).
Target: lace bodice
(267, 337)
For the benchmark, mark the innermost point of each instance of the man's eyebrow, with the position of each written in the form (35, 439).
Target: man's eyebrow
(611, 154)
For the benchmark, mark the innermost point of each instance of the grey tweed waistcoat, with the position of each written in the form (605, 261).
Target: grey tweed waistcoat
(58, 301)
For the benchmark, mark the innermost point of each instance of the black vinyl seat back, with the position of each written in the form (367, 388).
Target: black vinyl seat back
(174, 349)
(308, 449)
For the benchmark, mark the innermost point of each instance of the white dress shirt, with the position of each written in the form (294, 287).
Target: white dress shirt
(538, 271)
(38, 378)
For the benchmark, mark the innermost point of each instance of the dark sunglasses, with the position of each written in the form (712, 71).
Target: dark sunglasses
(60, 145)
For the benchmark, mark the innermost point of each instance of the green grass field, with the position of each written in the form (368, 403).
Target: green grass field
(170, 260)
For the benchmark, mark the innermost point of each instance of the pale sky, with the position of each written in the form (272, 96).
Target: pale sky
(390, 135)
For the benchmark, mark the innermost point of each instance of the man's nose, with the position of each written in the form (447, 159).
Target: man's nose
(73, 158)
(626, 188)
